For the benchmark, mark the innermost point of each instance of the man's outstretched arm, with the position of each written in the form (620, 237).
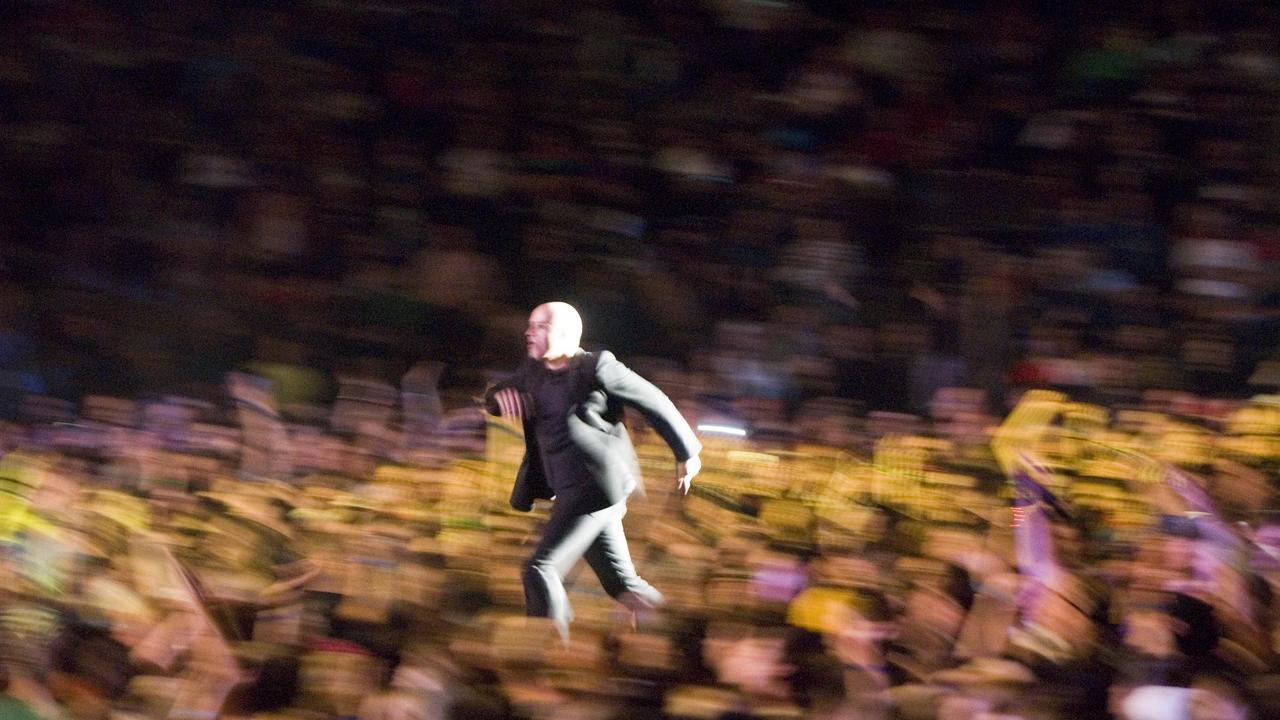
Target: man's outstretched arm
(623, 383)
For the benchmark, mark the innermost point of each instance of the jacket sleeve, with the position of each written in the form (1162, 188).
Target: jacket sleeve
(621, 382)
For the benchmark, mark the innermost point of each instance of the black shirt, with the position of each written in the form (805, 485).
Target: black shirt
(552, 392)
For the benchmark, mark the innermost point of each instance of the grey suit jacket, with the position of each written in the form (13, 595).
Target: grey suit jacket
(603, 387)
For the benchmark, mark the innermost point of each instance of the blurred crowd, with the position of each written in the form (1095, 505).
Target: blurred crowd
(794, 200)
(163, 559)
(257, 258)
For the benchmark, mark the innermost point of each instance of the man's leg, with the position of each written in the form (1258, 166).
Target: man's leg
(565, 538)
(610, 558)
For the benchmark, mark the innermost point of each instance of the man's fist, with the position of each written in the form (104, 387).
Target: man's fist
(510, 403)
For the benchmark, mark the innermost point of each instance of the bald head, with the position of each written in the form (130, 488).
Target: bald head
(554, 333)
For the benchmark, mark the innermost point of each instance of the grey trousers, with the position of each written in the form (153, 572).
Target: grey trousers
(568, 536)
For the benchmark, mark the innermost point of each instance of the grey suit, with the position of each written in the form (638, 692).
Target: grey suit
(590, 479)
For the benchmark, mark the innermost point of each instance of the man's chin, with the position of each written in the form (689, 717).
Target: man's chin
(554, 359)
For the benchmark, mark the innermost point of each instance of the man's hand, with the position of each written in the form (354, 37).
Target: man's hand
(685, 472)
(510, 404)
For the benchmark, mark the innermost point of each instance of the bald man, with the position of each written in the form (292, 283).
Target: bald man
(577, 452)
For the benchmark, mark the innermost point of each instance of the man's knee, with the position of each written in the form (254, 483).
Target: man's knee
(537, 569)
(640, 595)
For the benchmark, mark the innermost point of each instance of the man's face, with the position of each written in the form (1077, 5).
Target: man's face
(537, 337)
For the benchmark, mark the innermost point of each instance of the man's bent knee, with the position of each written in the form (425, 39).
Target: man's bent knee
(537, 567)
(640, 597)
